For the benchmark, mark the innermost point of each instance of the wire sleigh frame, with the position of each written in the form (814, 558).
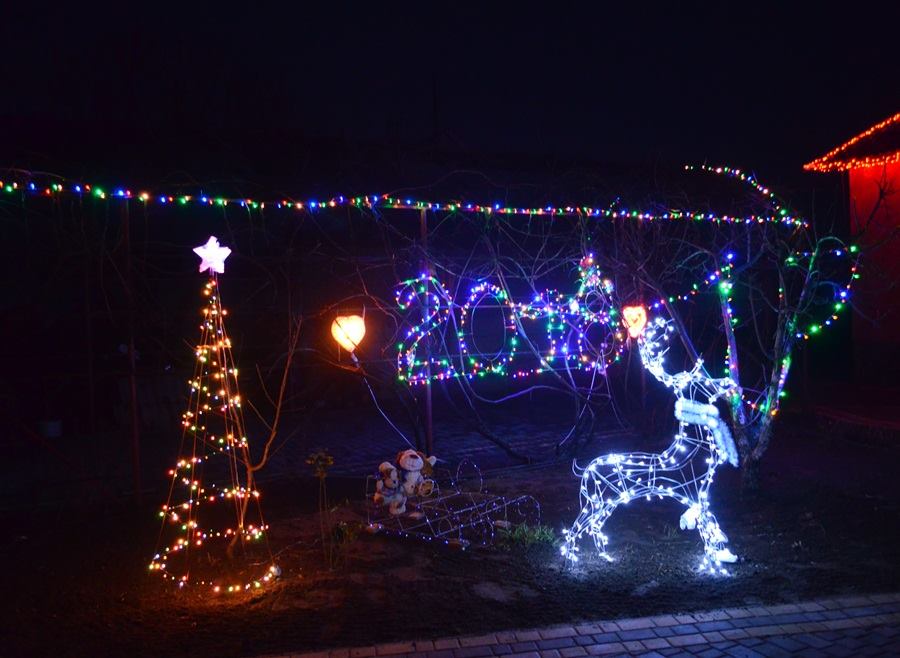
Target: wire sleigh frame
(459, 511)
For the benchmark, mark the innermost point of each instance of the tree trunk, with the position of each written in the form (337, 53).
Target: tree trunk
(750, 476)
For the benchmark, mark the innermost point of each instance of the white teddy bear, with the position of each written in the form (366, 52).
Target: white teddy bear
(416, 469)
(388, 490)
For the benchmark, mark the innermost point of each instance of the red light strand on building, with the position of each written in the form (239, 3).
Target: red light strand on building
(828, 162)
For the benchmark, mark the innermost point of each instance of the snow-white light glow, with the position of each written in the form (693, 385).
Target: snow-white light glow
(684, 471)
(212, 255)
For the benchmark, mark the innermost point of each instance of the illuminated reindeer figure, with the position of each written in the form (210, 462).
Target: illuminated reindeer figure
(683, 471)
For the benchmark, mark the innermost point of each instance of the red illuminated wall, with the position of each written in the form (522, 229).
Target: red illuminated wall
(878, 294)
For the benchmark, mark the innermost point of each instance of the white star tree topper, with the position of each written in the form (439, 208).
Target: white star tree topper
(212, 255)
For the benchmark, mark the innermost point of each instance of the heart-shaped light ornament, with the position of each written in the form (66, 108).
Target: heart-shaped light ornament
(348, 331)
(635, 318)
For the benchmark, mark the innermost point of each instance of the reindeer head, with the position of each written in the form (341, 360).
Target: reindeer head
(695, 390)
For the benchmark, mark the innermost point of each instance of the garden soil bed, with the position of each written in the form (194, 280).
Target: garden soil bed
(826, 522)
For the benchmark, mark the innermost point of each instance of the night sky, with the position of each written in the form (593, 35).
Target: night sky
(150, 94)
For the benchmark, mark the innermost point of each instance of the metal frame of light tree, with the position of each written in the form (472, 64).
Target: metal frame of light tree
(213, 431)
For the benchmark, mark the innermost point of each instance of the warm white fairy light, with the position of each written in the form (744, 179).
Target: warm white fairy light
(684, 471)
(214, 445)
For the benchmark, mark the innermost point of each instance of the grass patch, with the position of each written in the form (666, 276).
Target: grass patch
(526, 536)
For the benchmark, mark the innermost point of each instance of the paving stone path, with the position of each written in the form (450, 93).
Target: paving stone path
(850, 626)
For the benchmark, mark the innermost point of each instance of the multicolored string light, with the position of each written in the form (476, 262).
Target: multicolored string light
(387, 201)
(749, 179)
(428, 305)
(478, 363)
(569, 319)
(842, 295)
(723, 281)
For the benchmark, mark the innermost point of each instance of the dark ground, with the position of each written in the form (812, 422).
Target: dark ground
(826, 522)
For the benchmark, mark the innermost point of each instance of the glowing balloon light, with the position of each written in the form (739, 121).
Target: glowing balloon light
(348, 331)
(635, 318)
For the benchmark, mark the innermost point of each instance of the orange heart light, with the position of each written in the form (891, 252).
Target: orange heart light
(348, 331)
(635, 318)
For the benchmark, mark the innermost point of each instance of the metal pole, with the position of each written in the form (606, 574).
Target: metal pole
(429, 424)
(89, 348)
(132, 361)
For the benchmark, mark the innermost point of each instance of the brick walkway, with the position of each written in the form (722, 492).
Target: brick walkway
(854, 626)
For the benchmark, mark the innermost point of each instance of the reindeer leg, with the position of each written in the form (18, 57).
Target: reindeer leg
(590, 522)
(688, 520)
(714, 541)
(569, 549)
(600, 518)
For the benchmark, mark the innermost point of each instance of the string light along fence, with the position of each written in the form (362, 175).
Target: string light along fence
(683, 472)
(59, 187)
(459, 511)
(212, 514)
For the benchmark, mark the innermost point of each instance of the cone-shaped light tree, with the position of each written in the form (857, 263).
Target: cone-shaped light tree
(212, 521)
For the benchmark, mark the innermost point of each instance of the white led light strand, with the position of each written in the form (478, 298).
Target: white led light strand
(684, 471)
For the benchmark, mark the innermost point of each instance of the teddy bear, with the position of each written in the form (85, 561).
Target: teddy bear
(388, 490)
(416, 469)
